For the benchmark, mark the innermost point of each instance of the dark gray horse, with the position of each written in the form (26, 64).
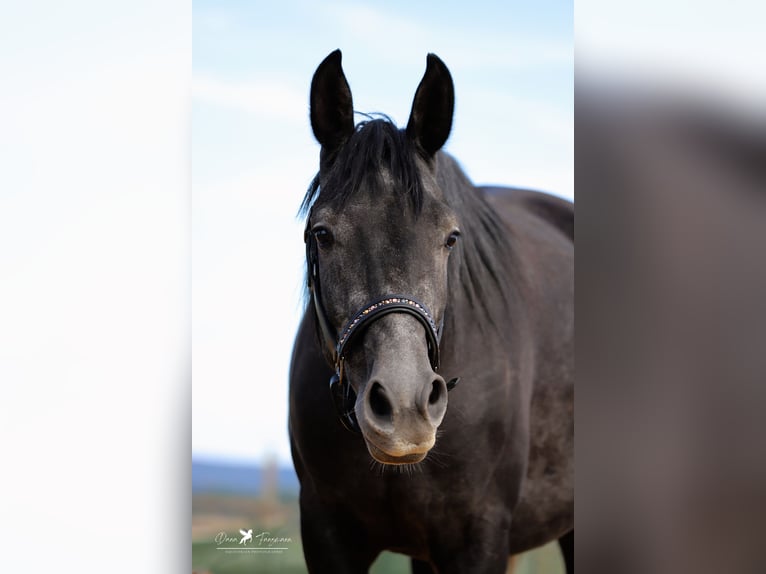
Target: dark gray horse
(418, 278)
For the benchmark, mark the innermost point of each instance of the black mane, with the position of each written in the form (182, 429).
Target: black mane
(375, 147)
(488, 267)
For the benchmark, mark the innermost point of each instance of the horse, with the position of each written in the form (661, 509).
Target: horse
(420, 285)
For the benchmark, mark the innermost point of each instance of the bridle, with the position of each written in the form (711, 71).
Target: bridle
(342, 394)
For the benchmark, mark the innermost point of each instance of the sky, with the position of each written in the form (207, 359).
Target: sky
(253, 156)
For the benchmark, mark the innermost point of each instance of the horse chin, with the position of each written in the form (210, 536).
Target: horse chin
(386, 458)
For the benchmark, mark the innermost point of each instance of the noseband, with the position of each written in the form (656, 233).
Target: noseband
(342, 394)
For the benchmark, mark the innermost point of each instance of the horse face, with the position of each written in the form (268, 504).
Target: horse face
(367, 250)
(376, 243)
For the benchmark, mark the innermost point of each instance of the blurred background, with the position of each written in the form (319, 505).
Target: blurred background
(253, 156)
(670, 130)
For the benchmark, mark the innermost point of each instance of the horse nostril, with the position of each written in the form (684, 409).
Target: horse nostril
(437, 401)
(436, 389)
(378, 402)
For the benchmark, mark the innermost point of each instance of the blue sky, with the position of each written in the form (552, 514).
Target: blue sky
(253, 156)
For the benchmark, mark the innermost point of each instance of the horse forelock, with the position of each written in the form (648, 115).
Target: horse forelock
(376, 150)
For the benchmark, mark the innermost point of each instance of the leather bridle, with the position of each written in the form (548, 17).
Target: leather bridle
(342, 394)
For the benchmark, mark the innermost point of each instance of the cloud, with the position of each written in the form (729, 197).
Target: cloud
(467, 48)
(265, 99)
(356, 19)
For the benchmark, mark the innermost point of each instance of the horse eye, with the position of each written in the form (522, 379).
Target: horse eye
(323, 236)
(452, 239)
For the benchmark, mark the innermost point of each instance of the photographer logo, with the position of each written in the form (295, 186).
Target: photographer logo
(247, 542)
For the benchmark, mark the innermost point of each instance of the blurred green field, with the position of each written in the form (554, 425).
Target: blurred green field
(206, 559)
(279, 516)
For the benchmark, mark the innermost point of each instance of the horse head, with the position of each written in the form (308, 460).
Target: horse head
(379, 240)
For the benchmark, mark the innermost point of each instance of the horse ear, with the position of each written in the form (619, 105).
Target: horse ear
(431, 116)
(332, 111)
